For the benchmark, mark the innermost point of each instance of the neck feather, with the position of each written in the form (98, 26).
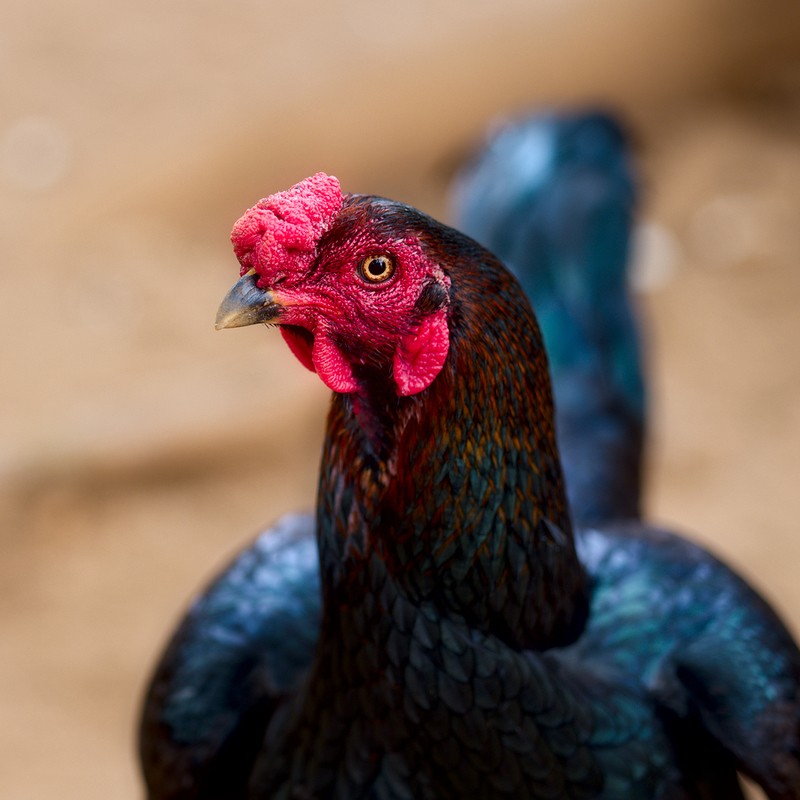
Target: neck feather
(458, 490)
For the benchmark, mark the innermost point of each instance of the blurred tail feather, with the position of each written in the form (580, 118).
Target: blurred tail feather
(554, 197)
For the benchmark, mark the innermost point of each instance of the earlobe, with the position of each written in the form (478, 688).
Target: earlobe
(422, 354)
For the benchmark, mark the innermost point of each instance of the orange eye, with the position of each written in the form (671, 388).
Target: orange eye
(376, 269)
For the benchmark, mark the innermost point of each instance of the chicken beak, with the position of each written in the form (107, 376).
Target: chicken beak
(247, 304)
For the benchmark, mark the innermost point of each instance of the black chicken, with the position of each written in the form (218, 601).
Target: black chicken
(433, 632)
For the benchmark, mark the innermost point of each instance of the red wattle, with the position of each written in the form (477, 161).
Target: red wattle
(300, 345)
(332, 366)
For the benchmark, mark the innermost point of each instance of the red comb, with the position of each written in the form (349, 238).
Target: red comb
(280, 233)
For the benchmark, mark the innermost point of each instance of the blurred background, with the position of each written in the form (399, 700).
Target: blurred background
(139, 449)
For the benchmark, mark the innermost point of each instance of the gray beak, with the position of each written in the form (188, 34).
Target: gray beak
(246, 304)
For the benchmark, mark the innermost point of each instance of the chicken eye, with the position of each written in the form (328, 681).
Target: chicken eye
(376, 269)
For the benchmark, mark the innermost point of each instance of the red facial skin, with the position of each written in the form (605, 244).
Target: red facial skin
(308, 247)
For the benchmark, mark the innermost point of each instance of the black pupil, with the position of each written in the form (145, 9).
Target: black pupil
(377, 267)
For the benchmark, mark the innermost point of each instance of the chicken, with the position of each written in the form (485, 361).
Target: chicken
(447, 640)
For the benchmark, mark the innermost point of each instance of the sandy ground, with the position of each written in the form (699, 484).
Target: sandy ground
(138, 449)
